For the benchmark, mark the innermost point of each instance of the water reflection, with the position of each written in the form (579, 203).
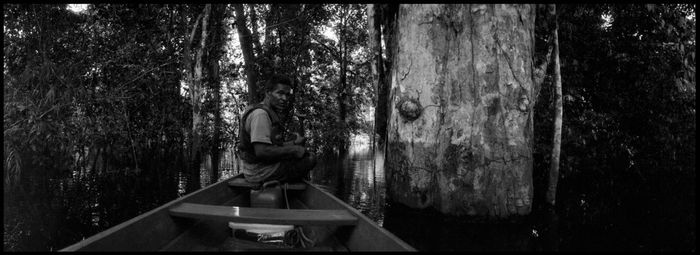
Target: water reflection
(228, 167)
(181, 184)
(356, 178)
(52, 215)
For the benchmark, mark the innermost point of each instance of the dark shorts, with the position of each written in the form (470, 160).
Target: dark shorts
(294, 170)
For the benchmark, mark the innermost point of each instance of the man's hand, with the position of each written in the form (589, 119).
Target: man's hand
(299, 151)
(299, 140)
(275, 153)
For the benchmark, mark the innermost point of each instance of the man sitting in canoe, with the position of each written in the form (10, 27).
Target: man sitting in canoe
(265, 154)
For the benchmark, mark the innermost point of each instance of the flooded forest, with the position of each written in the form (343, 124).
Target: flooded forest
(465, 127)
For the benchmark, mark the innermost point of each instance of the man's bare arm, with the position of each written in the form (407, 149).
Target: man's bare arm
(272, 152)
(298, 140)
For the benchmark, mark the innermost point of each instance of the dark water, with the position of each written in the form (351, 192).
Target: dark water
(51, 214)
(358, 179)
(630, 215)
(48, 215)
(592, 213)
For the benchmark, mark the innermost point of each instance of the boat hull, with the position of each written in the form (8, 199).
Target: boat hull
(158, 230)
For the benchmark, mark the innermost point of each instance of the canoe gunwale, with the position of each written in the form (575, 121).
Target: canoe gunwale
(163, 230)
(363, 222)
(156, 213)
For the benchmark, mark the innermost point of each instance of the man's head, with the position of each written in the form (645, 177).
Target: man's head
(278, 91)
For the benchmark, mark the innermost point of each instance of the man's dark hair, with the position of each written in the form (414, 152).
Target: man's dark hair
(277, 79)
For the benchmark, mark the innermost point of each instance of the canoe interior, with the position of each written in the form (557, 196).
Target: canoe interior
(156, 230)
(213, 235)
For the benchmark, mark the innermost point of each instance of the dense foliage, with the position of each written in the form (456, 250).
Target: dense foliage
(96, 102)
(86, 94)
(330, 73)
(97, 120)
(628, 136)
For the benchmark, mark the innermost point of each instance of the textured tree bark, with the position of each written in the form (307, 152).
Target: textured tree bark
(558, 111)
(244, 36)
(460, 136)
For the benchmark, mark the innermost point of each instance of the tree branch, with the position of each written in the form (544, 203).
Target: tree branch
(541, 70)
(333, 51)
(194, 29)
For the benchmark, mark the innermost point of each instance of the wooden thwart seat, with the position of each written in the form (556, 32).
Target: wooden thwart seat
(242, 183)
(264, 215)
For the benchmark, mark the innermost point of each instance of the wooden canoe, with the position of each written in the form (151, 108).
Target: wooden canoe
(199, 222)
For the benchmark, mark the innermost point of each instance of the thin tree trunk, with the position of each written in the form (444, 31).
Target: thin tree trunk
(375, 38)
(343, 90)
(279, 40)
(373, 41)
(541, 69)
(214, 57)
(196, 92)
(388, 14)
(270, 20)
(558, 111)
(254, 25)
(189, 80)
(302, 66)
(244, 36)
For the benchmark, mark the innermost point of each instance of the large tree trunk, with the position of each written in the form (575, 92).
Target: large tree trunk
(460, 135)
(558, 111)
(244, 36)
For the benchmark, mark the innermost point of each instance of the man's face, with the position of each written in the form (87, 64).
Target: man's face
(279, 97)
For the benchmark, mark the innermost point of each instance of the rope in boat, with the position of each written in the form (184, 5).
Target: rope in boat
(296, 236)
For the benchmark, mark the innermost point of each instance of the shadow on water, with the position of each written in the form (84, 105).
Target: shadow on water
(593, 213)
(358, 179)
